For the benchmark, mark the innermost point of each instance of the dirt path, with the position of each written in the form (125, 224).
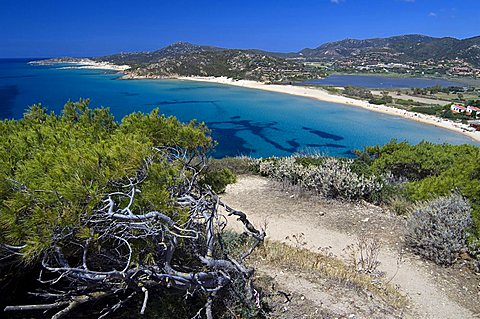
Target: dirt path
(335, 225)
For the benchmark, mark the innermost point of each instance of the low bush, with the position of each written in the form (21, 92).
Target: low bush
(329, 178)
(408, 102)
(430, 170)
(438, 229)
(400, 205)
(385, 99)
(429, 110)
(474, 251)
(219, 178)
(358, 92)
(237, 164)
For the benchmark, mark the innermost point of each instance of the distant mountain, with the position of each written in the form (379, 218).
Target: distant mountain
(409, 54)
(186, 59)
(175, 50)
(180, 49)
(405, 48)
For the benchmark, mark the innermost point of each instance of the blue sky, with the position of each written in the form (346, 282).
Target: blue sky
(33, 28)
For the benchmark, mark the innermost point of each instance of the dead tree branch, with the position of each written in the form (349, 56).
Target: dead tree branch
(133, 251)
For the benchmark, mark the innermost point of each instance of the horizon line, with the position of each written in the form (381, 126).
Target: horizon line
(237, 48)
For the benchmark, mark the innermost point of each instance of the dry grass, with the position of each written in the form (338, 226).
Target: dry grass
(238, 165)
(280, 255)
(400, 206)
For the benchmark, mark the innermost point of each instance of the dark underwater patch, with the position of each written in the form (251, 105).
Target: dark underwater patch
(180, 102)
(129, 93)
(229, 144)
(293, 143)
(228, 140)
(323, 134)
(17, 76)
(334, 145)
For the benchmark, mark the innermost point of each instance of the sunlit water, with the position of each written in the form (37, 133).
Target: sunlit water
(243, 121)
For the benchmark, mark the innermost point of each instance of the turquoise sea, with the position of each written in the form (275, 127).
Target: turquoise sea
(243, 121)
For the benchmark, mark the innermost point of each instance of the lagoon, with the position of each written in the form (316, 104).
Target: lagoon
(243, 121)
(381, 82)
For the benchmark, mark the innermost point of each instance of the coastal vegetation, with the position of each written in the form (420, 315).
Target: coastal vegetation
(185, 59)
(434, 101)
(325, 176)
(434, 186)
(121, 218)
(433, 171)
(357, 194)
(107, 214)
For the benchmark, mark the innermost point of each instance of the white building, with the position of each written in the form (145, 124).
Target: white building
(458, 108)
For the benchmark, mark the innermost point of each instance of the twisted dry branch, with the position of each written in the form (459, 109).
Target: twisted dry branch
(130, 252)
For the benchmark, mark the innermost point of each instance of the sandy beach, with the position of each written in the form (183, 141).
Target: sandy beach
(89, 64)
(322, 95)
(85, 64)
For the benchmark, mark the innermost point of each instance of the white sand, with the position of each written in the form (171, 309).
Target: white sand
(90, 64)
(320, 94)
(83, 63)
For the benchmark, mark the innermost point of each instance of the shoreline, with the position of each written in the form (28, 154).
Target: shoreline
(322, 95)
(303, 91)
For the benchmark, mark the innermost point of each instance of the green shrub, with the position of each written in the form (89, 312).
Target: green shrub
(74, 158)
(385, 99)
(408, 102)
(83, 196)
(427, 110)
(430, 170)
(427, 171)
(219, 178)
(358, 92)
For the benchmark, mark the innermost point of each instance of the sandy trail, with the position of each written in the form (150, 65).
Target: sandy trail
(287, 215)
